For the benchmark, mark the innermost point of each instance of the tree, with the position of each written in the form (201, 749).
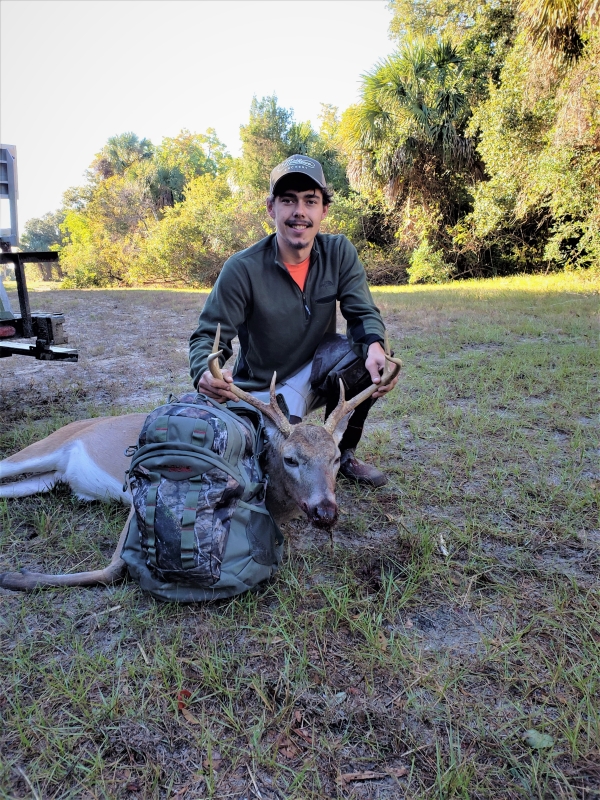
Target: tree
(406, 141)
(119, 153)
(484, 30)
(559, 26)
(103, 239)
(43, 233)
(328, 149)
(539, 135)
(194, 238)
(272, 135)
(265, 142)
(194, 154)
(413, 112)
(180, 159)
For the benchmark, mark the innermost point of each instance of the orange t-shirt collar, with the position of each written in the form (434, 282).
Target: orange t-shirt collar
(299, 272)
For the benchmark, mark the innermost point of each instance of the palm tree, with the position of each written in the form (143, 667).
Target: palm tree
(558, 26)
(119, 153)
(412, 118)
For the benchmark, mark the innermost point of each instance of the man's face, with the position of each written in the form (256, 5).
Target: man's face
(298, 217)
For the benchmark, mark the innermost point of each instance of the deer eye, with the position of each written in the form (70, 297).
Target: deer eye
(291, 462)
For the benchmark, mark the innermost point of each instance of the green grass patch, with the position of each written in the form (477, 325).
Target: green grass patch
(457, 610)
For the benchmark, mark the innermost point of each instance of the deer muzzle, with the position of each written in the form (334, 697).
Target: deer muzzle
(324, 514)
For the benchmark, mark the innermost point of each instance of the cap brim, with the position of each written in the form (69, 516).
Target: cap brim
(317, 183)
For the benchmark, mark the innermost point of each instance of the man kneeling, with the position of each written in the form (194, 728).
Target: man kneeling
(279, 297)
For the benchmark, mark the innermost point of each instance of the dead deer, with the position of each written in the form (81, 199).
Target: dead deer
(302, 462)
(88, 455)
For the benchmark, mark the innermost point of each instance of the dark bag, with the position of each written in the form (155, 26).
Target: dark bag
(201, 530)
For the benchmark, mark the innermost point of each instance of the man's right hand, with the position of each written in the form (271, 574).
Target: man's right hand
(216, 389)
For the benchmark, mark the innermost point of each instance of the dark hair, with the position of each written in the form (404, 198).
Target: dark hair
(297, 182)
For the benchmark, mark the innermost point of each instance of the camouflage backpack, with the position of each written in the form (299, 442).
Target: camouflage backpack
(200, 529)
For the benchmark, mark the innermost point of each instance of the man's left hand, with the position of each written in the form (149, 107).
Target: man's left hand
(375, 364)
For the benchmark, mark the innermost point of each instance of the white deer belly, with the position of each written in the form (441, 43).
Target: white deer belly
(87, 480)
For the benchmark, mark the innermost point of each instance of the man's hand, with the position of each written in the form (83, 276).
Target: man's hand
(216, 389)
(375, 363)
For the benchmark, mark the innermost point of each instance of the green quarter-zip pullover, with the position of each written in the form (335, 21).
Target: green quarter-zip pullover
(279, 326)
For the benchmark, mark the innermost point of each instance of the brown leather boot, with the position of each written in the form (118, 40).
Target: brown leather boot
(356, 470)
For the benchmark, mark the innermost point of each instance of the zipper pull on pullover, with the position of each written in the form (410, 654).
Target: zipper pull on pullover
(306, 308)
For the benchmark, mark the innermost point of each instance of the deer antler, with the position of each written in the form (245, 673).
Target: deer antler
(271, 410)
(345, 407)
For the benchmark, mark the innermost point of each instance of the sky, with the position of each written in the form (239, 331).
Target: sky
(75, 72)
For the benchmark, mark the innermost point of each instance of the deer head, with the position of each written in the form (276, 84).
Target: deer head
(303, 460)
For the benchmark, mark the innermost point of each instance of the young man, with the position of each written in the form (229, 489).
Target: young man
(279, 297)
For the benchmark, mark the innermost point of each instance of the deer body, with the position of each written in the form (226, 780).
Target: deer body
(88, 455)
(302, 462)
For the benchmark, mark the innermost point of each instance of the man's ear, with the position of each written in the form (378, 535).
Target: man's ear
(270, 209)
(325, 211)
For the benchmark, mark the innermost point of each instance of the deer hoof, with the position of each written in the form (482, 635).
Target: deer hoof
(17, 581)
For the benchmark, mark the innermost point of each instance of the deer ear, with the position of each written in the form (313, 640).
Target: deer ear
(340, 428)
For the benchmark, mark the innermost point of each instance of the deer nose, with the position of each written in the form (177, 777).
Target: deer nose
(324, 515)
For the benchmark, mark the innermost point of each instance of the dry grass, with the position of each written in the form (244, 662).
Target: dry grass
(458, 610)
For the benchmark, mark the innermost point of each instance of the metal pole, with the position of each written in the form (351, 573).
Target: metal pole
(23, 296)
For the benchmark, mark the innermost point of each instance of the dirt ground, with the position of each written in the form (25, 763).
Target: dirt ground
(457, 611)
(132, 351)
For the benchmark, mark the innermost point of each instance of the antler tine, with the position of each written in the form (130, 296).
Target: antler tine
(279, 418)
(346, 406)
(338, 412)
(270, 410)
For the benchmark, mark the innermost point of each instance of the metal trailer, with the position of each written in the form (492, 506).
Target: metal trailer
(47, 328)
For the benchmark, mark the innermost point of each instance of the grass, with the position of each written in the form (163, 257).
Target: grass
(458, 610)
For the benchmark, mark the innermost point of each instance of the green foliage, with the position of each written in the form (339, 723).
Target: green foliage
(174, 213)
(539, 133)
(428, 266)
(120, 153)
(44, 233)
(559, 27)
(474, 150)
(483, 30)
(408, 147)
(195, 237)
(266, 142)
(194, 154)
(272, 135)
(110, 225)
(178, 160)
(360, 219)
(412, 116)
(41, 235)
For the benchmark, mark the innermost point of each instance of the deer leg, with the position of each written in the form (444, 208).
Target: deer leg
(28, 486)
(25, 581)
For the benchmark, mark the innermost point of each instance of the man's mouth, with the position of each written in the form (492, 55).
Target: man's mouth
(299, 226)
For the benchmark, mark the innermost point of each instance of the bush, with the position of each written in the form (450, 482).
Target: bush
(428, 266)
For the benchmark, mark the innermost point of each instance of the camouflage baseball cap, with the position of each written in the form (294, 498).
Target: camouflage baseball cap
(302, 164)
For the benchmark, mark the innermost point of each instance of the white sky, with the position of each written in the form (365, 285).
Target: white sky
(74, 72)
